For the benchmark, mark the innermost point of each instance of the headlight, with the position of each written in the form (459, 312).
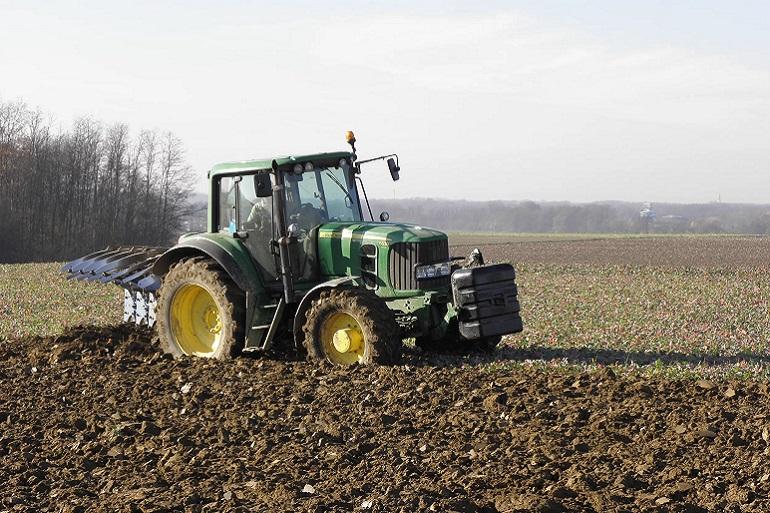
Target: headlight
(426, 272)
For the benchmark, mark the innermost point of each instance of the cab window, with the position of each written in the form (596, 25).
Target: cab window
(241, 210)
(227, 213)
(304, 200)
(321, 195)
(340, 194)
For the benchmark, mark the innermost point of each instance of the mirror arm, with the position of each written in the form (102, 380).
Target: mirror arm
(391, 157)
(383, 157)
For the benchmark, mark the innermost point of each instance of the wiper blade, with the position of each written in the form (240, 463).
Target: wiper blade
(339, 184)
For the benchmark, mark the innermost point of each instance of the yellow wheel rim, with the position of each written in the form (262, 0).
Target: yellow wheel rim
(196, 322)
(343, 340)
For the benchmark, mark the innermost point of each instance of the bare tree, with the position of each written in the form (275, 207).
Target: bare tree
(65, 193)
(174, 184)
(149, 144)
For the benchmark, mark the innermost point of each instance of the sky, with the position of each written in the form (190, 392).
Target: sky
(541, 100)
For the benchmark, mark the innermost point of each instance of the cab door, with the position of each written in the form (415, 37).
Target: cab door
(246, 211)
(305, 207)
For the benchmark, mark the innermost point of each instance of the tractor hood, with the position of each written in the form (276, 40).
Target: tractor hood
(340, 250)
(381, 234)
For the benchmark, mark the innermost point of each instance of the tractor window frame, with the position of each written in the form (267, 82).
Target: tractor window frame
(216, 193)
(219, 203)
(259, 245)
(351, 175)
(293, 190)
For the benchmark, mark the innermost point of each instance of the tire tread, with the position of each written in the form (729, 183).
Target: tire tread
(202, 269)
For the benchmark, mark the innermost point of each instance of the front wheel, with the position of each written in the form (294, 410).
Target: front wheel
(352, 326)
(200, 311)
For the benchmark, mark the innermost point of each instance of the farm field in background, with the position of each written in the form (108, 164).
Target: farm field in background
(688, 304)
(701, 251)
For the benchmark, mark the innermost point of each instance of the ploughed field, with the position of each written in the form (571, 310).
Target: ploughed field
(639, 384)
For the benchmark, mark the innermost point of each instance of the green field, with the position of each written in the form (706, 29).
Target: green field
(681, 305)
(35, 299)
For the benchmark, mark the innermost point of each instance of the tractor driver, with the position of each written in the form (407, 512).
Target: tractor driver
(260, 215)
(308, 217)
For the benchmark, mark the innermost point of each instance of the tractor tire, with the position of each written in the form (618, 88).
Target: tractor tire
(200, 311)
(352, 326)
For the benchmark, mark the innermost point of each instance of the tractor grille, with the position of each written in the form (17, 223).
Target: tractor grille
(405, 255)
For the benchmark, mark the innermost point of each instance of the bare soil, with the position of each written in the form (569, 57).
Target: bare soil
(98, 419)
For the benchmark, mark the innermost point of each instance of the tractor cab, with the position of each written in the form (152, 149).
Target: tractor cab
(277, 207)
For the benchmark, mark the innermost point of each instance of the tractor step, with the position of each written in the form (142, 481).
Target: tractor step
(262, 340)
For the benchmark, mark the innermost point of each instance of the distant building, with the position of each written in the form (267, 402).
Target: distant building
(647, 217)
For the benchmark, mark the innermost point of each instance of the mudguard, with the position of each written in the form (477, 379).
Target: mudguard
(300, 316)
(228, 252)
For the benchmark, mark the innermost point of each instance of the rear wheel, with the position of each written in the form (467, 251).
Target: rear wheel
(200, 311)
(352, 326)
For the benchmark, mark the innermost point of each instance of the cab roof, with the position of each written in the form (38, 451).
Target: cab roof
(283, 162)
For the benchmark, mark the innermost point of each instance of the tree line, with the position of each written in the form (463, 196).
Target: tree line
(562, 217)
(64, 193)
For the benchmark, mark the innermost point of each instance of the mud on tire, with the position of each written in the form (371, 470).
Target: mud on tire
(382, 335)
(230, 301)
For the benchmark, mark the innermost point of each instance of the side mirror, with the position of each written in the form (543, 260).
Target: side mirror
(262, 186)
(384, 216)
(394, 169)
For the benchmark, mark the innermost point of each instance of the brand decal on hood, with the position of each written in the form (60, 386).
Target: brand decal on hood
(353, 236)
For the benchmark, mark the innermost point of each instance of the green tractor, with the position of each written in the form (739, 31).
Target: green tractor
(288, 256)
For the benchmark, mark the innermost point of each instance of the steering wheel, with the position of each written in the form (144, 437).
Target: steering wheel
(308, 216)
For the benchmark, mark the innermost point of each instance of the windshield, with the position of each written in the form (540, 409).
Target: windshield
(321, 195)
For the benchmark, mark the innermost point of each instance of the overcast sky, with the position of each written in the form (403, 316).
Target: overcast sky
(572, 100)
